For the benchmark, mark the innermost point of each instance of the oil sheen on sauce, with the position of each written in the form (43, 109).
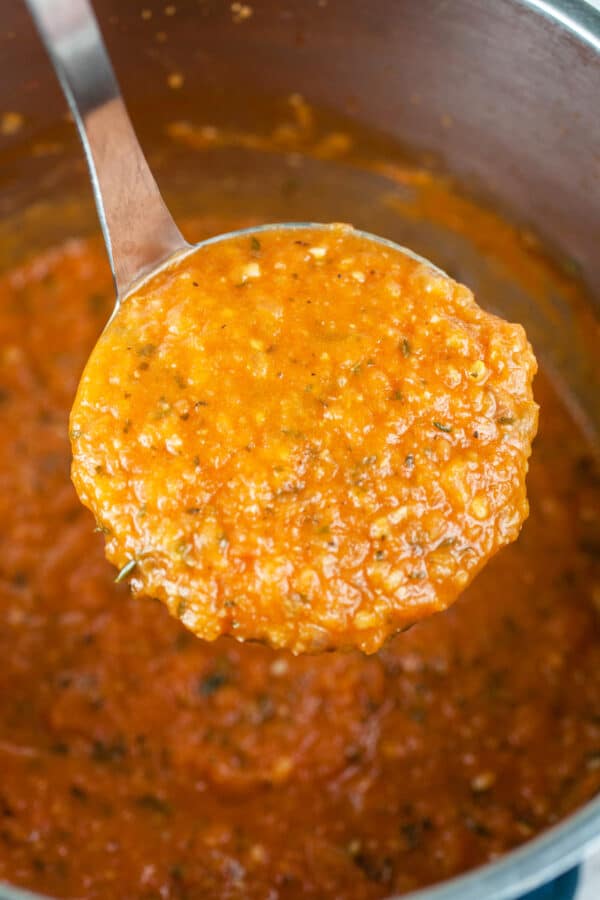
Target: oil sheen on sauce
(305, 437)
(141, 762)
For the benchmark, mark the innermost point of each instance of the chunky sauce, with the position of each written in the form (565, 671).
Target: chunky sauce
(305, 437)
(140, 762)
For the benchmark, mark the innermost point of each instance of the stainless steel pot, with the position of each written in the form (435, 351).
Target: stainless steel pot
(504, 95)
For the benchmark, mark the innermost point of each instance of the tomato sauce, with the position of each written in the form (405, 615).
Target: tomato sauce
(305, 437)
(138, 761)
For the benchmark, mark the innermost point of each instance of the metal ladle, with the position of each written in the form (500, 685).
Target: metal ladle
(138, 229)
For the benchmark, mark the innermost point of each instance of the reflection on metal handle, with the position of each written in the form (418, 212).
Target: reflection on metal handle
(138, 229)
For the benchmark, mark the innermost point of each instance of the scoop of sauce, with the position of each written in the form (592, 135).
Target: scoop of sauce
(304, 438)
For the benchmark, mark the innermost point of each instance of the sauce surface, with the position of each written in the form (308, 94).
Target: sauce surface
(138, 761)
(304, 437)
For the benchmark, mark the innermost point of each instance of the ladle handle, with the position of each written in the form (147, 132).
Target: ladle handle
(138, 229)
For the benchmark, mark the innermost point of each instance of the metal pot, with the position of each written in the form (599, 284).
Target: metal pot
(504, 95)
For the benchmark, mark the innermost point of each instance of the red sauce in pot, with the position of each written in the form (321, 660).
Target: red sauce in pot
(138, 761)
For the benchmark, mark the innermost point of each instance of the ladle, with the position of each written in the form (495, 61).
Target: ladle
(139, 231)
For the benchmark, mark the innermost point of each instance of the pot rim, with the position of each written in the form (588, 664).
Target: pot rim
(569, 842)
(531, 865)
(578, 16)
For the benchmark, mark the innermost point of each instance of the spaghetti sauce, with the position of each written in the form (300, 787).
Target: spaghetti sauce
(304, 436)
(137, 761)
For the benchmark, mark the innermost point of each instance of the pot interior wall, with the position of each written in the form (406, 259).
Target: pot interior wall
(500, 94)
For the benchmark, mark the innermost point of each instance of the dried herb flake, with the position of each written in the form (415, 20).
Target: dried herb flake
(126, 570)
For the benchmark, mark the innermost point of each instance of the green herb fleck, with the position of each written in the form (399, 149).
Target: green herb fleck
(211, 683)
(146, 350)
(505, 420)
(75, 434)
(254, 244)
(109, 751)
(417, 575)
(154, 804)
(399, 396)
(293, 433)
(405, 348)
(477, 827)
(102, 529)
(126, 570)
(78, 792)
(571, 267)
(163, 410)
(447, 429)
(412, 832)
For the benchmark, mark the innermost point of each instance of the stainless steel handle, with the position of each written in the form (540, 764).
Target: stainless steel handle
(138, 229)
